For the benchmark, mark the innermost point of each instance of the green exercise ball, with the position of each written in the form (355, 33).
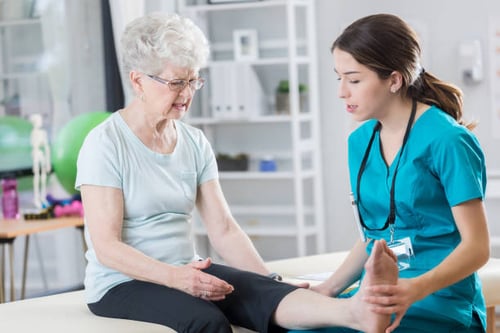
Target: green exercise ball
(67, 146)
(15, 144)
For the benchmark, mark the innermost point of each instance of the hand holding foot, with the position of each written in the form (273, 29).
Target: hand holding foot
(381, 268)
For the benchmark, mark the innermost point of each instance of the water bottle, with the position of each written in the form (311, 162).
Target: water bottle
(10, 199)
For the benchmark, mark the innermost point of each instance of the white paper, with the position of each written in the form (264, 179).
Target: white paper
(322, 276)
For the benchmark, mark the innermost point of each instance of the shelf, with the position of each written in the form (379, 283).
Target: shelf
(495, 173)
(219, 121)
(493, 188)
(257, 119)
(278, 231)
(16, 173)
(244, 5)
(300, 60)
(283, 210)
(268, 44)
(495, 241)
(254, 175)
(19, 75)
(18, 22)
(249, 175)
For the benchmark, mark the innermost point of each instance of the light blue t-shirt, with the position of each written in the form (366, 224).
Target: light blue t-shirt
(442, 166)
(159, 193)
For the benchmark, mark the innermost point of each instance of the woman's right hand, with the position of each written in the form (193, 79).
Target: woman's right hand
(190, 279)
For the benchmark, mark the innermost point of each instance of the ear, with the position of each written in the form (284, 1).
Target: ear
(395, 81)
(136, 82)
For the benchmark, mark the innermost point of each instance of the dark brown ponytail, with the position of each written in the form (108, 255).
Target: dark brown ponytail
(429, 89)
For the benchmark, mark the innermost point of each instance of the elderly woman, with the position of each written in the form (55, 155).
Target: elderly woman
(142, 172)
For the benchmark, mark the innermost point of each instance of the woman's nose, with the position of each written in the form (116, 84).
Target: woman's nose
(342, 91)
(187, 91)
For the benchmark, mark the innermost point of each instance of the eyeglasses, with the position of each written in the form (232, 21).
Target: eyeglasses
(178, 84)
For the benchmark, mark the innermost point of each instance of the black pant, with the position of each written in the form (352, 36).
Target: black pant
(250, 305)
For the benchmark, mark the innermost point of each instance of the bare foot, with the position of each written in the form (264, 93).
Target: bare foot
(381, 268)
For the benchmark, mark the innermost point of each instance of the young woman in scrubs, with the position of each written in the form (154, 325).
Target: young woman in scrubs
(418, 177)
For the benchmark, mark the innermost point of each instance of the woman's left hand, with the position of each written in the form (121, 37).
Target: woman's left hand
(393, 299)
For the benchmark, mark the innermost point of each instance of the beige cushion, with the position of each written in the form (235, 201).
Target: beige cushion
(64, 313)
(67, 312)
(490, 278)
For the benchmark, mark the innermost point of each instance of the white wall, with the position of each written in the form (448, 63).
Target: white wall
(447, 22)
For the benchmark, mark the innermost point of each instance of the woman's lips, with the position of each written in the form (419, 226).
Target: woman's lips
(179, 106)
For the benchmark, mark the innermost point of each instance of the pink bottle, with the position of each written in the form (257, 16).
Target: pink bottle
(10, 199)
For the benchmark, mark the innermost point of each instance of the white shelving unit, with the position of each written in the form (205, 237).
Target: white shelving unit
(283, 208)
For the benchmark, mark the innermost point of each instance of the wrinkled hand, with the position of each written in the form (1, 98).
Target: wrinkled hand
(190, 279)
(393, 299)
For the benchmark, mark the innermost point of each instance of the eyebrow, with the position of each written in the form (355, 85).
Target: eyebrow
(348, 72)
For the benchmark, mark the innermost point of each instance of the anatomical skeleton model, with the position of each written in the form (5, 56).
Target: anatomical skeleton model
(41, 160)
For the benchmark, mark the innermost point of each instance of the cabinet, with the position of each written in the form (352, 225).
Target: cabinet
(255, 45)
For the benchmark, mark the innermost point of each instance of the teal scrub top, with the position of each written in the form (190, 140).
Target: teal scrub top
(441, 166)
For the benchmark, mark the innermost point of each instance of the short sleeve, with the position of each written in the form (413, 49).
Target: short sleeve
(208, 169)
(459, 163)
(97, 162)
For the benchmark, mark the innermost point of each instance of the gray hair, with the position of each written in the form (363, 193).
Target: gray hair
(151, 41)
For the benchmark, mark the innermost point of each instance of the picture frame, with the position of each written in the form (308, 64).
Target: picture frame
(246, 46)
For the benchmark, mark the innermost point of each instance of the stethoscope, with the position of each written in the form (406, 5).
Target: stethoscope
(391, 218)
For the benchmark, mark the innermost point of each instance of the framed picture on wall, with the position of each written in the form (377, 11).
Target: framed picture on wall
(246, 45)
